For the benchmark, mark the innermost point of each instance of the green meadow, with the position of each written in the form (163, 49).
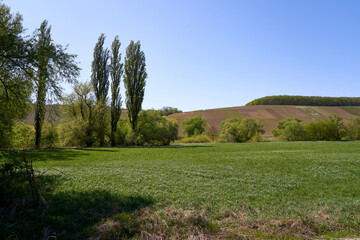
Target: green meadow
(227, 191)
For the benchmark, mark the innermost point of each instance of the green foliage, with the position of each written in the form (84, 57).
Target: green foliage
(49, 136)
(155, 129)
(100, 82)
(290, 129)
(116, 70)
(53, 65)
(306, 101)
(326, 130)
(241, 130)
(22, 136)
(15, 72)
(134, 81)
(196, 139)
(166, 111)
(193, 126)
(352, 130)
(80, 128)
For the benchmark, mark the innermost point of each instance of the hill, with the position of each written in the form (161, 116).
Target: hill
(306, 101)
(269, 115)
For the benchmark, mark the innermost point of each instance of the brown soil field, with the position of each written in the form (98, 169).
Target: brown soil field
(269, 115)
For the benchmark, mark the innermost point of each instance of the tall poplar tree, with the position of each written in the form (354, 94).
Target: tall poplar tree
(116, 71)
(134, 81)
(100, 81)
(52, 66)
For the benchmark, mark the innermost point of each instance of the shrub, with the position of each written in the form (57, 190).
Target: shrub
(290, 129)
(50, 135)
(155, 129)
(326, 130)
(152, 129)
(196, 139)
(241, 130)
(23, 135)
(193, 126)
(352, 130)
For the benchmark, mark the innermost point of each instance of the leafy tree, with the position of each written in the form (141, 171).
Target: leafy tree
(53, 65)
(290, 129)
(100, 81)
(16, 58)
(193, 126)
(116, 71)
(166, 111)
(352, 130)
(155, 129)
(134, 81)
(241, 130)
(80, 107)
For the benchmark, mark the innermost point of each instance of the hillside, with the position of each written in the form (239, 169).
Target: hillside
(269, 115)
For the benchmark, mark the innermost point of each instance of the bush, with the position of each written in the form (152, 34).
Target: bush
(352, 130)
(195, 139)
(50, 135)
(326, 130)
(290, 129)
(156, 129)
(153, 129)
(23, 136)
(241, 130)
(193, 126)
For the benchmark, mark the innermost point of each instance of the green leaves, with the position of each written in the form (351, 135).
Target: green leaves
(134, 80)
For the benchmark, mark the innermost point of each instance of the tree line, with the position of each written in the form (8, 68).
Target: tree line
(306, 101)
(35, 66)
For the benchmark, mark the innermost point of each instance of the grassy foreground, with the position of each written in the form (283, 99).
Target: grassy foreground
(227, 191)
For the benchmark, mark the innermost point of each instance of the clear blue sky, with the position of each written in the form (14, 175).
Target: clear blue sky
(204, 54)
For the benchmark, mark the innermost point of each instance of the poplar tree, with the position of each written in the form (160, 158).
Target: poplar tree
(52, 66)
(116, 71)
(134, 81)
(100, 81)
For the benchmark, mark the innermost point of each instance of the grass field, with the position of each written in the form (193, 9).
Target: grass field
(228, 191)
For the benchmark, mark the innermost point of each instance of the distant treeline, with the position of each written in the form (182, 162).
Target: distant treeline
(306, 101)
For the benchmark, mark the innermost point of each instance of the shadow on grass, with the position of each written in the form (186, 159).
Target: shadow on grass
(53, 154)
(69, 215)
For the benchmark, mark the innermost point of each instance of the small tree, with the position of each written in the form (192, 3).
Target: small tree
(241, 130)
(116, 70)
(80, 128)
(134, 81)
(193, 126)
(290, 129)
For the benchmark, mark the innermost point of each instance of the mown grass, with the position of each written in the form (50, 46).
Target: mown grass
(259, 190)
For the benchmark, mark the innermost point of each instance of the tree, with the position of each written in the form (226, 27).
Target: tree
(134, 81)
(80, 128)
(116, 71)
(100, 81)
(193, 126)
(15, 72)
(290, 129)
(53, 65)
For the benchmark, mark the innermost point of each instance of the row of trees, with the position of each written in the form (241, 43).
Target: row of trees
(306, 101)
(35, 66)
(332, 129)
(104, 65)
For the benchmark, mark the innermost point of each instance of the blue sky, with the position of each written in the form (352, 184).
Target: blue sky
(210, 54)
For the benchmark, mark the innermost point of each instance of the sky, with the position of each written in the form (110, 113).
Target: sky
(203, 54)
